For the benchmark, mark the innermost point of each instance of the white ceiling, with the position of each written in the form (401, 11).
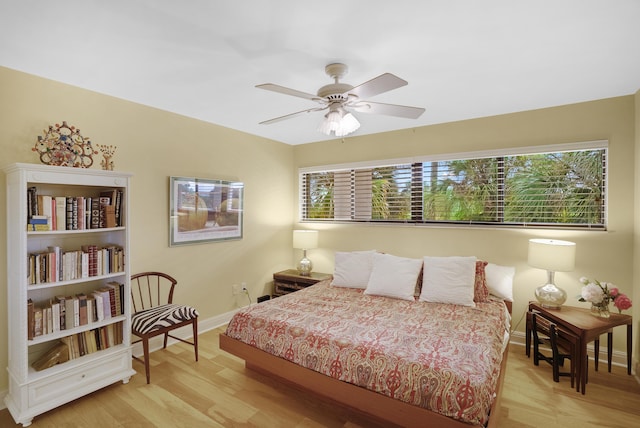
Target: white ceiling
(203, 58)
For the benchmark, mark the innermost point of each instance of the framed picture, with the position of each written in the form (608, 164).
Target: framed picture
(203, 210)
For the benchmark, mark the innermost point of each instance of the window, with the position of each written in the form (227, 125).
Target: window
(560, 186)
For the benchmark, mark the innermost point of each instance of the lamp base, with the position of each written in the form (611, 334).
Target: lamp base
(305, 266)
(550, 296)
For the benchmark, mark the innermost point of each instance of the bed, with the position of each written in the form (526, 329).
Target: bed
(401, 361)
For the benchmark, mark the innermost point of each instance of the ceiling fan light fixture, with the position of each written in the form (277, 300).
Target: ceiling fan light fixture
(348, 125)
(338, 121)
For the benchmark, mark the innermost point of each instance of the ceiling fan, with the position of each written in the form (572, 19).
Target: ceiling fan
(340, 98)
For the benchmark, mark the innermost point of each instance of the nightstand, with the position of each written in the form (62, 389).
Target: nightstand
(288, 281)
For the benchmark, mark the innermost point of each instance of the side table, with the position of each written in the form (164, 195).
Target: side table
(288, 281)
(587, 328)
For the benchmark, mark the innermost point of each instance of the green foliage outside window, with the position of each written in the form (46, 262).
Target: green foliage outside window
(560, 188)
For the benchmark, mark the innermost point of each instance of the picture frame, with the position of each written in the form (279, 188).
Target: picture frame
(204, 210)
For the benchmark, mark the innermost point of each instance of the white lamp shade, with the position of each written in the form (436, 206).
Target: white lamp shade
(305, 239)
(552, 254)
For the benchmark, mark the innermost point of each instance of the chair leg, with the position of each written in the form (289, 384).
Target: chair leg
(195, 336)
(166, 336)
(556, 368)
(145, 348)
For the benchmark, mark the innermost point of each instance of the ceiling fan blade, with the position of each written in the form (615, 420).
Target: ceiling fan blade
(383, 83)
(291, 115)
(388, 109)
(288, 91)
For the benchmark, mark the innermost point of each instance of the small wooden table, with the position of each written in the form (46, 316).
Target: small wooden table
(290, 280)
(587, 328)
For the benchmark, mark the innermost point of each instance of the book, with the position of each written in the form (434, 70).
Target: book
(82, 309)
(32, 201)
(81, 212)
(57, 354)
(97, 297)
(30, 320)
(44, 208)
(38, 219)
(37, 227)
(69, 312)
(37, 321)
(118, 298)
(95, 213)
(56, 262)
(55, 317)
(61, 212)
(109, 215)
(110, 299)
(61, 300)
(69, 212)
(91, 309)
(118, 204)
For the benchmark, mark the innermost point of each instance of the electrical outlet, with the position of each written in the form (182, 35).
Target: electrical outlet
(235, 289)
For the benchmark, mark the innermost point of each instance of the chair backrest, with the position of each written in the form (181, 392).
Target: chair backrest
(539, 324)
(558, 337)
(150, 289)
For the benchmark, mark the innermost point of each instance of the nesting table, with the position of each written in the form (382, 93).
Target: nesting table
(587, 328)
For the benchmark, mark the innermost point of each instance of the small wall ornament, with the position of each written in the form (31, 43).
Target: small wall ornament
(63, 145)
(107, 154)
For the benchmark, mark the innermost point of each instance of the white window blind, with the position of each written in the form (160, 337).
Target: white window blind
(564, 188)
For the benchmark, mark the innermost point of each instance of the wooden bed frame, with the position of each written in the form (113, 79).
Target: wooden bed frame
(371, 404)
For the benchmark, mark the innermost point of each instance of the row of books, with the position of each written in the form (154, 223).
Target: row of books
(80, 344)
(67, 312)
(94, 340)
(46, 212)
(55, 264)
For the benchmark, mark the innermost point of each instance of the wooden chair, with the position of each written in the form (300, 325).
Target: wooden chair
(154, 313)
(563, 346)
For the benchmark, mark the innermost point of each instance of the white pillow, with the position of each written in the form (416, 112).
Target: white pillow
(448, 280)
(353, 269)
(500, 280)
(394, 276)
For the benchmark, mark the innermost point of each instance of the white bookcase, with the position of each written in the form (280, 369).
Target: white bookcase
(31, 391)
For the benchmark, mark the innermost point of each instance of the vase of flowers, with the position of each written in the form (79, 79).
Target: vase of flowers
(601, 294)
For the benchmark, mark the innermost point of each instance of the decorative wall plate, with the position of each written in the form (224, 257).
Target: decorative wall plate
(62, 145)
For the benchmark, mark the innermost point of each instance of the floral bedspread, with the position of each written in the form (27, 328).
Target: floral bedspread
(445, 358)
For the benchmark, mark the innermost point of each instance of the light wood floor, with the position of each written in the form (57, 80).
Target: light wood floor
(219, 391)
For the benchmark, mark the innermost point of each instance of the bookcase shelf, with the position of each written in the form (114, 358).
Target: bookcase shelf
(75, 281)
(75, 330)
(39, 379)
(32, 233)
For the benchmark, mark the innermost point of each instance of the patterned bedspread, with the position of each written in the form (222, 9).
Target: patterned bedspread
(445, 358)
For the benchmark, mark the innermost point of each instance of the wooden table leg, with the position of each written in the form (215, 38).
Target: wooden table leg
(528, 337)
(629, 343)
(596, 351)
(609, 348)
(582, 367)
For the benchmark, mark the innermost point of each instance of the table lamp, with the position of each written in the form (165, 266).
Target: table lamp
(554, 256)
(305, 240)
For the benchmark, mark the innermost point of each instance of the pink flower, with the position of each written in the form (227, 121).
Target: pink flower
(613, 292)
(622, 302)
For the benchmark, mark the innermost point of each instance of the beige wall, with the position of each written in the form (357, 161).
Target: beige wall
(604, 255)
(154, 145)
